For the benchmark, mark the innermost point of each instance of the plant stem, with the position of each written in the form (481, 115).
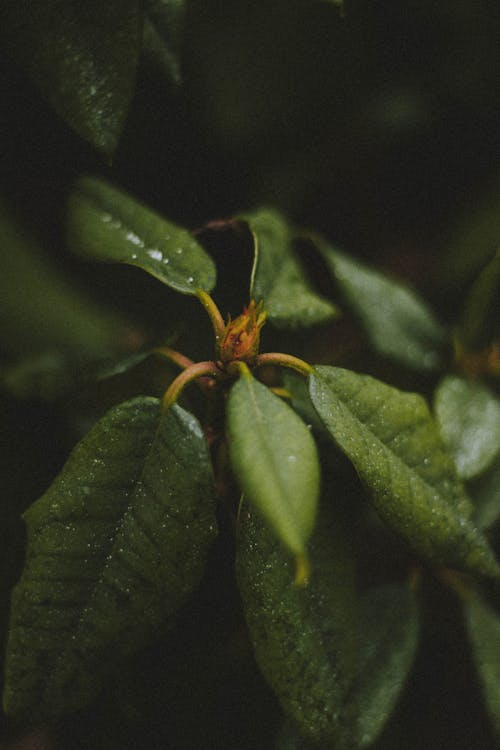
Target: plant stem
(173, 356)
(190, 373)
(284, 360)
(213, 313)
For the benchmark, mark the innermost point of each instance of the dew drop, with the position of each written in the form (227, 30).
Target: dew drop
(155, 254)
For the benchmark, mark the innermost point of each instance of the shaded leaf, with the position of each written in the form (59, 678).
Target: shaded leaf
(472, 240)
(468, 414)
(480, 321)
(83, 58)
(114, 547)
(397, 322)
(107, 224)
(53, 315)
(304, 637)
(397, 451)
(166, 23)
(297, 387)
(485, 494)
(275, 460)
(483, 624)
(277, 277)
(389, 631)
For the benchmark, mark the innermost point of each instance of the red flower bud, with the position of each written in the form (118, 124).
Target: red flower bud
(241, 336)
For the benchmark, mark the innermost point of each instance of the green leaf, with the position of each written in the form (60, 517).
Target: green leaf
(389, 629)
(398, 323)
(277, 277)
(480, 321)
(83, 58)
(304, 637)
(115, 545)
(398, 453)
(166, 22)
(41, 310)
(483, 624)
(107, 224)
(468, 414)
(275, 460)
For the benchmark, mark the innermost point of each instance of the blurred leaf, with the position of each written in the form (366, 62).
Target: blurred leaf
(397, 322)
(82, 56)
(40, 309)
(53, 375)
(304, 637)
(484, 632)
(277, 277)
(468, 414)
(485, 493)
(105, 223)
(480, 322)
(398, 453)
(165, 25)
(115, 545)
(275, 460)
(388, 642)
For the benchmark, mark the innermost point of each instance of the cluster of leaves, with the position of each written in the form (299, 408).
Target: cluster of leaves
(324, 474)
(121, 538)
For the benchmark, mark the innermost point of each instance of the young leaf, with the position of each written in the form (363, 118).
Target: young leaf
(468, 414)
(388, 641)
(398, 453)
(275, 460)
(107, 224)
(304, 637)
(277, 277)
(483, 624)
(82, 56)
(114, 547)
(397, 322)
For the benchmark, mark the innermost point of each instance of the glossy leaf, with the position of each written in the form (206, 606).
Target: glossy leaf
(277, 277)
(397, 322)
(468, 414)
(397, 451)
(389, 629)
(275, 460)
(107, 224)
(166, 19)
(115, 545)
(480, 322)
(483, 624)
(53, 315)
(83, 58)
(304, 638)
